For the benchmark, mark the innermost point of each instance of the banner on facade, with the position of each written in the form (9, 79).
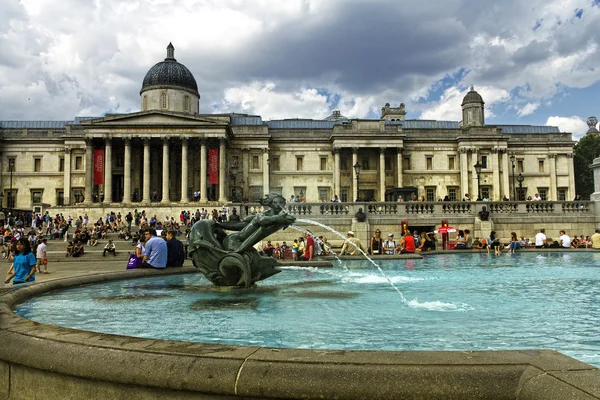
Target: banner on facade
(213, 166)
(98, 167)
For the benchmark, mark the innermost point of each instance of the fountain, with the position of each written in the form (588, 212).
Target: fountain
(230, 345)
(232, 260)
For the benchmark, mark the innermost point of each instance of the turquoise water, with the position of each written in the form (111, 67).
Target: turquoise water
(454, 302)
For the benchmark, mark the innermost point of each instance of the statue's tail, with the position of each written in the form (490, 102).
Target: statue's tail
(233, 265)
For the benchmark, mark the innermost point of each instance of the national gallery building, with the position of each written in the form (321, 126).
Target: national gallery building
(169, 153)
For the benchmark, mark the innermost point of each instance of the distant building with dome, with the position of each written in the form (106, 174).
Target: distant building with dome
(168, 152)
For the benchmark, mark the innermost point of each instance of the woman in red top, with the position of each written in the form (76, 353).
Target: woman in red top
(409, 243)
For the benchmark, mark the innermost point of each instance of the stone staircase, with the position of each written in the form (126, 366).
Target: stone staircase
(57, 250)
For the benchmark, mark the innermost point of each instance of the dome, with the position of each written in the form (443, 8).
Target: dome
(337, 116)
(170, 73)
(472, 97)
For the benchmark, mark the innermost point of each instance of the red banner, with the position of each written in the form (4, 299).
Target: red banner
(213, 166)
(98, 167)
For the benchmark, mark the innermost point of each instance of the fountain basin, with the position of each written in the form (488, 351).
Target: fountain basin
(45, 361)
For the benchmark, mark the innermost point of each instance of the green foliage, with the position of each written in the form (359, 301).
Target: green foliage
(584, 153)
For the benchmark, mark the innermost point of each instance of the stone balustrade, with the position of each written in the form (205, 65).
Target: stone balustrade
(436, 210)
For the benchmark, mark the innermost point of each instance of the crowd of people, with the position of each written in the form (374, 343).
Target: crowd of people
(464, 240)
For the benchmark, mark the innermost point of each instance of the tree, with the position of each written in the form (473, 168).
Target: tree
(584, 153)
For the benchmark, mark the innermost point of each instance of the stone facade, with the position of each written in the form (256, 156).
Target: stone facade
(162, 154)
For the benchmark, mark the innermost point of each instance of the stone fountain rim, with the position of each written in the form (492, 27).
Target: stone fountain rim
(233, 371)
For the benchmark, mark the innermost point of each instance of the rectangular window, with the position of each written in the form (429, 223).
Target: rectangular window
(520, 167)
(344, 163)
(60, 198)
(484, 162)
(256, 193)
(562, 194)
(388, 163)
(452, 193)
(344, 195)
(11, 165)
(429, 163)
(451, 163)
(324, 194)
(255, 162)
(299, 163)
(365, 164)
(543, 192)
(78, 163)
(300, 193)
(275, 163)
(61, 164)
(541, 165)
(37, 164)
(36, 196)
(485, 192)
(77, 196)
(323, 163)
(430, 194)
(405, 163)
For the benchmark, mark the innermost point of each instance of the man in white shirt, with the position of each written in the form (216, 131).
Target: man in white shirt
(564, 240)
(540, 239)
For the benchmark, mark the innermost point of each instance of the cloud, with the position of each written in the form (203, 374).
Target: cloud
(297, 58)
(263, 96)
(574, 124)
(449, 105)
(527, 109)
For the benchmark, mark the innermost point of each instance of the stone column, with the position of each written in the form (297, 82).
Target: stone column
(354, 180)
(400, 176)
(572, 192)
(108, 171)
(67, 177)
(337, 188)
(127, 172)
(496, 193)
(165, 170)
(203, 171)
(184, 170)
(553, 189)
(382, 174)
(146, 182)
(464, 173)
(506, 171)
(474, 159)
(222, 170)
(89, 171)
(266, 183)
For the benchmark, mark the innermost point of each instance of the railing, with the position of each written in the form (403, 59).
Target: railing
(442, 209)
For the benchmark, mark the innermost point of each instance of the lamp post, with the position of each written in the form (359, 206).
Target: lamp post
(357, 172)
(478, 170)
(11, 166)
(520, 178)
(512, 160)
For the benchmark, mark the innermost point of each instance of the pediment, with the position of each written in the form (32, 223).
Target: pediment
(157, 118)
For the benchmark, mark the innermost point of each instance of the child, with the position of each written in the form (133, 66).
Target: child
(70, 249)
(24, 265)
(295, 250)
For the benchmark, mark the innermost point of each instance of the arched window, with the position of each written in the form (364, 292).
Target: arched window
(145, 103)
(164, 104)
(186, 103)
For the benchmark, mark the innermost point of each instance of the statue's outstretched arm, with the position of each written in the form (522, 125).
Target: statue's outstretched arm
(233, 226)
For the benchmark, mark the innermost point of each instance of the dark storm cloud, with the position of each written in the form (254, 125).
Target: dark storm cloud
(531, 53)
(363, 47)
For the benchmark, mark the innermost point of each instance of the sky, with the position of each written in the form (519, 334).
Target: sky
(533, 62)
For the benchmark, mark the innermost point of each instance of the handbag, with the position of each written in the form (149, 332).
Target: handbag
(133, 262)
